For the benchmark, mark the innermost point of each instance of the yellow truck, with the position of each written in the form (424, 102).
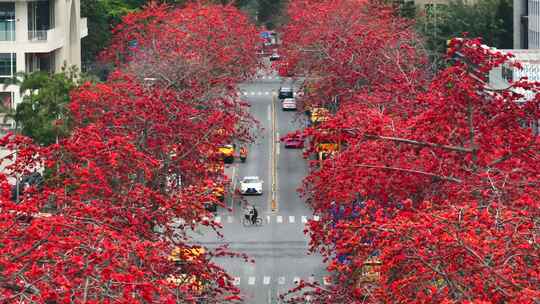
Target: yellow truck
(318, 115)
(326, 149)
(226, 152)
(181, 256)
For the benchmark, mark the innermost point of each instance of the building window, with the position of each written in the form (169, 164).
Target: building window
(6, 101)
(7, 21)
(8, 64)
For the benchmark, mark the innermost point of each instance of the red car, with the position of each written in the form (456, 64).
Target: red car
(294, 142)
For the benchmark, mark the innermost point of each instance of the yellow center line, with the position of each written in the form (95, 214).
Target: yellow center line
(273, 197)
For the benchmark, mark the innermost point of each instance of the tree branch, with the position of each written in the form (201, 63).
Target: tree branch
(441, 177)
(421, 143)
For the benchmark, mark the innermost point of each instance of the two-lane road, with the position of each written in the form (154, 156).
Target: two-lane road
(279, 247)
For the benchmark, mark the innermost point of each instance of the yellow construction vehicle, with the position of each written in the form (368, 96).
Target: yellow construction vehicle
(226, 152)
(181, 256)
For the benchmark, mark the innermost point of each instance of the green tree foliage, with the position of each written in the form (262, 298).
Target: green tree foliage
(42, 115)
(104, 15)
(269, 12)
(489, 19)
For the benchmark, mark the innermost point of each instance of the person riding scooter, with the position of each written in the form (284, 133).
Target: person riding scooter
(243, 154)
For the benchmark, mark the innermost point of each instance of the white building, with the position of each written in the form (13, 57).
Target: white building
(37, 36)
(502, 76)
(526, 24)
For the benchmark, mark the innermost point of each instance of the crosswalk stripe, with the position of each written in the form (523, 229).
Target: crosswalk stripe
(251, 280)
(268, 219)
(266, 93)
(296, 280)
(217, 219)
(236, 281)
(266, 280)
(304, 219)
(316, 218)
(327, 280)
(291, 219)
(230, 219)
(279, 219)
(281, 280)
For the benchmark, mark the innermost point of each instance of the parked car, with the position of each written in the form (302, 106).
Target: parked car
(285, 92)
(294, 142)
(288, 104)
(251, 185)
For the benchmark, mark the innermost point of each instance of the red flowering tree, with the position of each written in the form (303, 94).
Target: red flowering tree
(122, 190)
(343, 47)
(436, 179)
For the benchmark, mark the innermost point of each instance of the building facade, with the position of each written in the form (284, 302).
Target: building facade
(39, 35)
(526, 24)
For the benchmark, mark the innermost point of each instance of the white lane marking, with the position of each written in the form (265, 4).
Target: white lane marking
(304, 219)
(279, 219)
(230, 219)
(266, 280)
(327, 280)
(251, 281)
(217, 219)
(277, 148)
(296, 280)
(269, 113)
(268, 219)
(236, 281)
(291, 219)
(316, 218)
(281, 280)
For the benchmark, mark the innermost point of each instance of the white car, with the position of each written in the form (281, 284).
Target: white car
(288, 104)
(251, 185)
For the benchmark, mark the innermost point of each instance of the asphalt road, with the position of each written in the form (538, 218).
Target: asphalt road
(279, 246)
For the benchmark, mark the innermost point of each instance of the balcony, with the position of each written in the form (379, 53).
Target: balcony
(38, 41)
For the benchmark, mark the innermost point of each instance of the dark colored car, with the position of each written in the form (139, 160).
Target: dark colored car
(210, 206)
(294, 142)
(285, 92)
